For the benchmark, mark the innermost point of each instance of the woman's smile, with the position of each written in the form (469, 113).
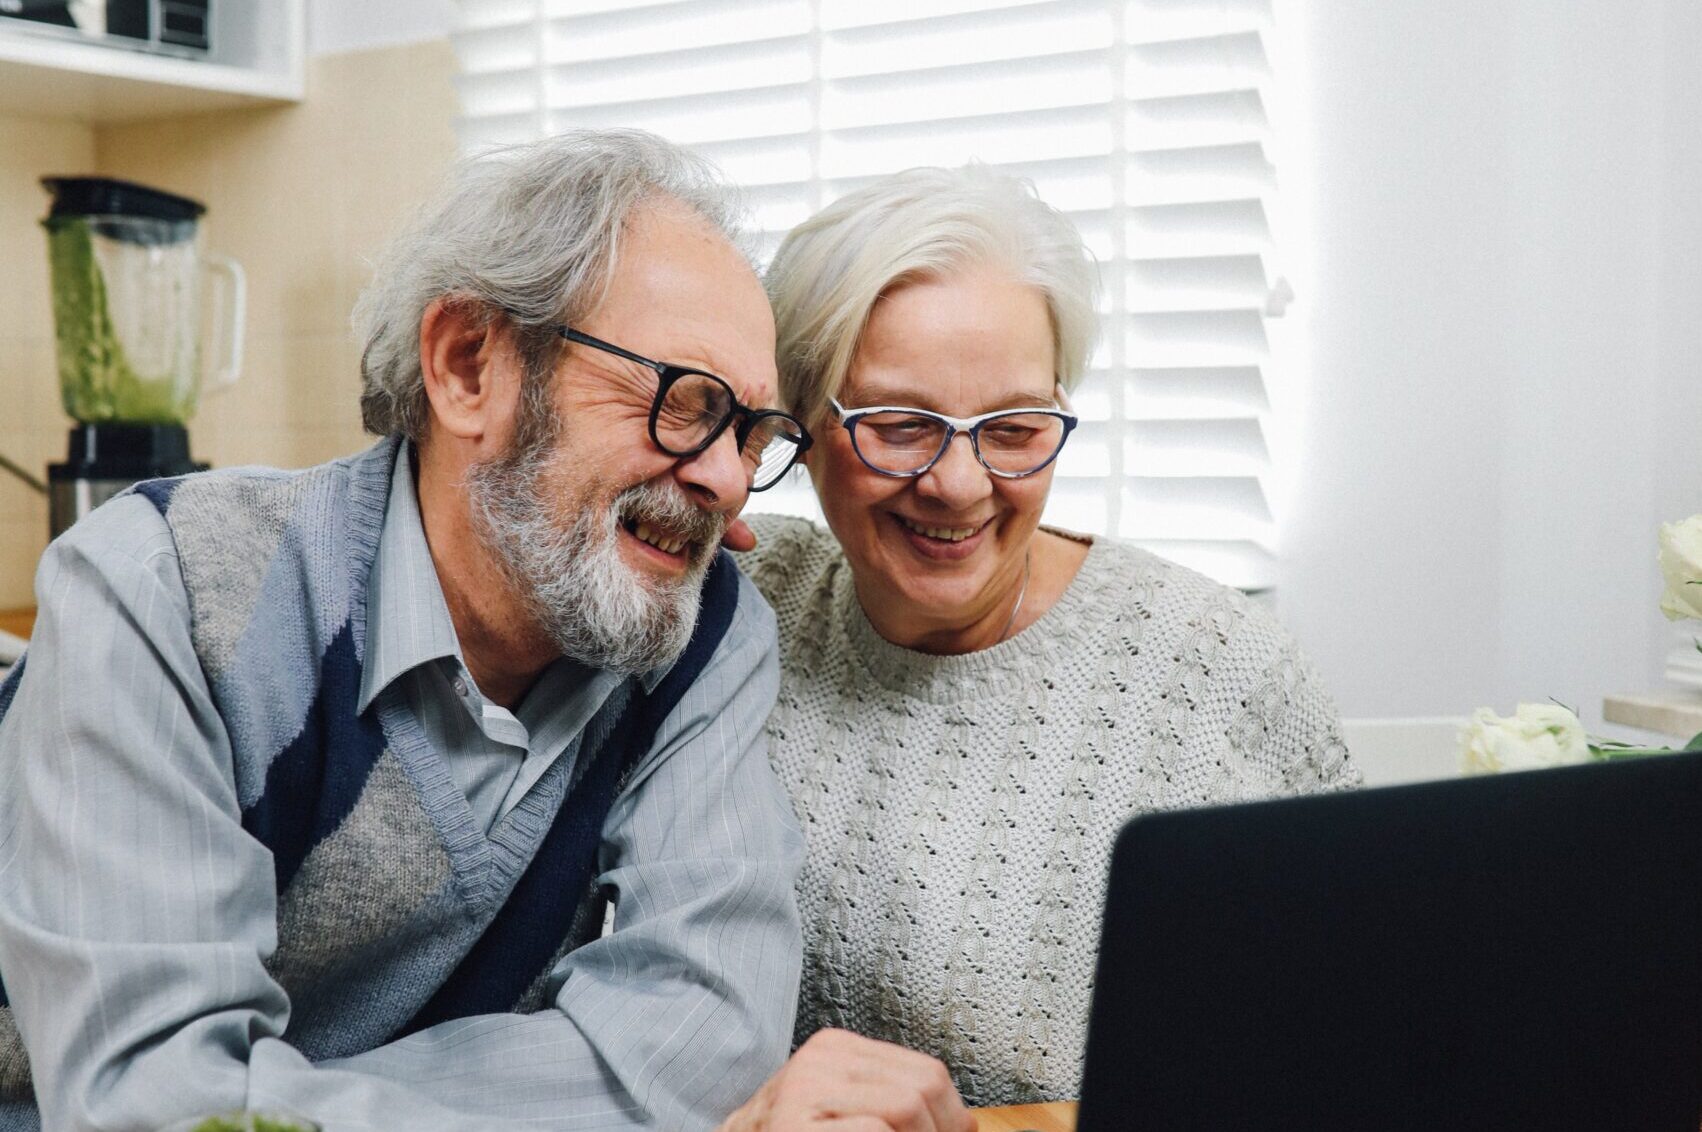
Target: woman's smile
(941, 540)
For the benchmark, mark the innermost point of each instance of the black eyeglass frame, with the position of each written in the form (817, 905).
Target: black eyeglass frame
(971, 427)
(668, 374)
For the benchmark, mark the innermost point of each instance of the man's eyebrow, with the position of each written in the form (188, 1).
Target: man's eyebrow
(761, 404)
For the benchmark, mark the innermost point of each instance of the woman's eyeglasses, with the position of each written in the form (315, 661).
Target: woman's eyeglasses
(693, 408)
(1010, 443)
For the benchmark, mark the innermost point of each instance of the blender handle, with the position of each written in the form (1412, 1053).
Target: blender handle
(234, 316)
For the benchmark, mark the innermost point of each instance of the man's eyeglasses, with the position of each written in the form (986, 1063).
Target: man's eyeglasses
(693, 408)
(1010, 443)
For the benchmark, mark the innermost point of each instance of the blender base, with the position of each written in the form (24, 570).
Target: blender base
(104, 459)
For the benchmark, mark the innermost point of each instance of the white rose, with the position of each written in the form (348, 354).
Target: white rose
(1535, 736)
(1681, 563)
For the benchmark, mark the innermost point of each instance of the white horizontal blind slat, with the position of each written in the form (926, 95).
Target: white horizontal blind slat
(1146, 121)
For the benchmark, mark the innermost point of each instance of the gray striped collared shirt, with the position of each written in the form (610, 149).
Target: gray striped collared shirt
(124, 866)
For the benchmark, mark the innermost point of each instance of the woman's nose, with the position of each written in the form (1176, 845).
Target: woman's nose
(957, 478)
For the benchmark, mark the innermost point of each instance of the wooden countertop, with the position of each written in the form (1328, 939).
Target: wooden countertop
(19, 621)
(1057, 1116)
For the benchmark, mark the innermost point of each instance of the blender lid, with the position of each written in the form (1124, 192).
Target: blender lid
(104, 196)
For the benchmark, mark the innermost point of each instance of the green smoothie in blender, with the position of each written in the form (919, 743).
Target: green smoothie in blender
(127, 274)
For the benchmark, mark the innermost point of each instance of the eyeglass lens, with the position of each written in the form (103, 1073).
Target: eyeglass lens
(907, 442)
(696, 405)
(770, 448)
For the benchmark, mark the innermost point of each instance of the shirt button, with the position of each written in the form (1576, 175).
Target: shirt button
(460, 686)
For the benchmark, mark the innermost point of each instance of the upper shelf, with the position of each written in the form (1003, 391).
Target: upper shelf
(256, 59)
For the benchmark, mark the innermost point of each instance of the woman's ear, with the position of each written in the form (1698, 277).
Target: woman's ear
(460, 345)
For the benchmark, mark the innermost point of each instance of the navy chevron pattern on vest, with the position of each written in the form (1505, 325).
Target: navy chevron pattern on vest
(159, 492)
(323, 769)
(526, 934)
(9, 686)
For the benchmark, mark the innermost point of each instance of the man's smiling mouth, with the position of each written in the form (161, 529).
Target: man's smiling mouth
(665, 541)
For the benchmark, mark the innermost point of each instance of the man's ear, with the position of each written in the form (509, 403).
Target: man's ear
(459, 346)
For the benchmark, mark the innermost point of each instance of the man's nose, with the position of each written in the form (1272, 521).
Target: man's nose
(957, 478)
(716, 478)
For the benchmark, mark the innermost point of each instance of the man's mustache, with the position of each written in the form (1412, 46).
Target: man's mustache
(667, 509)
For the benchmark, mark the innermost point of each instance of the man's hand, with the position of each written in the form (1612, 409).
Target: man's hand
(738, 536)
(839, 1082)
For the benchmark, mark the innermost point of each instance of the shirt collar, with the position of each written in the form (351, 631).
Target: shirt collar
(408, 621)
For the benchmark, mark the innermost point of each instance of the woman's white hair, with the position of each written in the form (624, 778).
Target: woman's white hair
(832, 269)
(530, 233)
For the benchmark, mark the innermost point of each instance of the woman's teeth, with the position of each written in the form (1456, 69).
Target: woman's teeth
(948, 534)
(660, 540)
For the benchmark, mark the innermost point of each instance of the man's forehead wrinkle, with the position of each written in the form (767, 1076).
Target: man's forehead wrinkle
(640, 378)
(702, 353)
(688, 297)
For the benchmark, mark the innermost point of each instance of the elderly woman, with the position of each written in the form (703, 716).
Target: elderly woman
(972, 704)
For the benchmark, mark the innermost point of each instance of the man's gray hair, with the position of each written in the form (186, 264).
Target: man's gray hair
(530, 233)
(833, 268)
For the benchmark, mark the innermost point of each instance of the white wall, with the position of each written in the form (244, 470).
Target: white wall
(334, 26)
(1498, 255)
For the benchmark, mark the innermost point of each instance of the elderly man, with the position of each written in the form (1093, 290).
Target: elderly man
(315, 787)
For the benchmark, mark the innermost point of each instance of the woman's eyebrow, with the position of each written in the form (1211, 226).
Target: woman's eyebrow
(881, 396)
(1027, 401)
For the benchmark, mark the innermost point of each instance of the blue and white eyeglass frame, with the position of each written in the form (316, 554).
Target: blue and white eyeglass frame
(971, 426)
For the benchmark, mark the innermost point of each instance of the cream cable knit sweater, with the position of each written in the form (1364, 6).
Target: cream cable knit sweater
(960, 810)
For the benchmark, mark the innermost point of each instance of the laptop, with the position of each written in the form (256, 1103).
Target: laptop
(1508, 952)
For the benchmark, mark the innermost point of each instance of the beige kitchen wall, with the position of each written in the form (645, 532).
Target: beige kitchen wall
(302, 196)
(31, 424)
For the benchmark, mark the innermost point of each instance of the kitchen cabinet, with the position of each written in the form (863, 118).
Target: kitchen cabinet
(257, 58)
(18, 621)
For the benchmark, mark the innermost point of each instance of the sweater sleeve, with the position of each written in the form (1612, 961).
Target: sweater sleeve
(1282, 715)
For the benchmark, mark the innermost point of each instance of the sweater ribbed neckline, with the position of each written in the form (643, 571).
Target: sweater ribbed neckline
(993, 671)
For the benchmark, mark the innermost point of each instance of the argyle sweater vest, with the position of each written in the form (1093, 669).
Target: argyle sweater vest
(386, 924)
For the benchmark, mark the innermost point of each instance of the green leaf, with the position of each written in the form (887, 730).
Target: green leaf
(1695, 743)
(1605, 754)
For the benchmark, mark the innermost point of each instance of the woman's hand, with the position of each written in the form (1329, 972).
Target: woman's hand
(839, 1082)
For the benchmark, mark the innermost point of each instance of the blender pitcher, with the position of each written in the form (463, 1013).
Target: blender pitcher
(128, 281)
(127, 265)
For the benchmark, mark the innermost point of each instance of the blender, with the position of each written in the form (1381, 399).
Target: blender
(128, 278)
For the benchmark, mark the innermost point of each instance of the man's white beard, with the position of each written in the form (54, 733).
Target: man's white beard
(568, 569)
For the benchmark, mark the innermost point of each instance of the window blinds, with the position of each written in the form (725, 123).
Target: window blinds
(1144, 120)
